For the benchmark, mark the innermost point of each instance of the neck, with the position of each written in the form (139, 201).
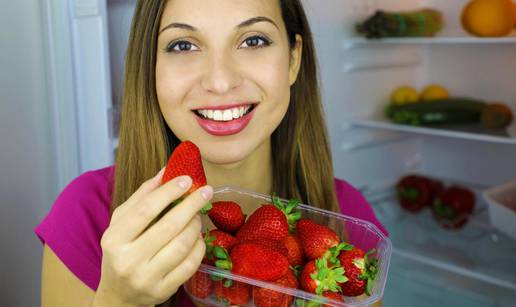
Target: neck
(254, 173)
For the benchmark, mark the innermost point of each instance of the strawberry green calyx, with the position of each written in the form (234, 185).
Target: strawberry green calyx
(370, 266)
(327, 278)
(332, 254)
(208, 240)
(223, 260)
(289, 209)
(206, 208)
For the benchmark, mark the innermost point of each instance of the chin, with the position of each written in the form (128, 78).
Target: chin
(226, 155)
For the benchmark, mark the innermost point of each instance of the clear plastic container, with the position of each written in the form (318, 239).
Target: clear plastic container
(502, 207)
(359, 233)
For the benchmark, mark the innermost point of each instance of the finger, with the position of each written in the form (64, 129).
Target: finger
(172, 254)
(144, 189)
(173, 222)
(149, 207)
(172, 280)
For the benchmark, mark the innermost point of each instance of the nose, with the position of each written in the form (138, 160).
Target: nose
(221, 75)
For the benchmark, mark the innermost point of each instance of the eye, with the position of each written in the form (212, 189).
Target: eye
(181, 46)
(255, 41)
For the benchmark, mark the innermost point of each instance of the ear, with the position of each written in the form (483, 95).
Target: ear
(295, 59)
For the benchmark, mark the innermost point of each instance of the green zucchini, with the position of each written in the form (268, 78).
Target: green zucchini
(437, 112)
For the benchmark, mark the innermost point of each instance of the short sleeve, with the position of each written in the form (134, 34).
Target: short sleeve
(75, 224)
(353, 203)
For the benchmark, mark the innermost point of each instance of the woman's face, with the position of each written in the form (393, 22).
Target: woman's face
(223, 74)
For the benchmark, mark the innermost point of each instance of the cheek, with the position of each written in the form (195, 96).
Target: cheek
(170, 84)
(271, 74)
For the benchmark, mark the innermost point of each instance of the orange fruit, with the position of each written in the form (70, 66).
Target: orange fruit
(489, 18)
(434, 91)
(514, 13)
(404, 95)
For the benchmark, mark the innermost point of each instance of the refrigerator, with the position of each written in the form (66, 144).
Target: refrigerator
(430, 266)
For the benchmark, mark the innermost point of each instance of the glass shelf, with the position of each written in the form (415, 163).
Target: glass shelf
(468, 132)
(478, 251)
(449, 37)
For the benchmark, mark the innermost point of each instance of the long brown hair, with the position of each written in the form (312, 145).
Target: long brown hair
(301, 156)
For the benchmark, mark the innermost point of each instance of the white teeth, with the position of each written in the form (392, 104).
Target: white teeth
(217, 115)
(227, 115)
(224, 115)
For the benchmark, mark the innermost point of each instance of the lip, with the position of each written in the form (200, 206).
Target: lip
(225, 128)
(224, 107)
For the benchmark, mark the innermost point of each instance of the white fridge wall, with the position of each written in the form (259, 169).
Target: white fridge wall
(349, 91)
(473, 162)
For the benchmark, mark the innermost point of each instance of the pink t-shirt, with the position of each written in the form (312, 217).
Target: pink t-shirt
(80, 215)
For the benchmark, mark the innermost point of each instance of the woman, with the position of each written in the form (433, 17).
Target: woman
(237, 78)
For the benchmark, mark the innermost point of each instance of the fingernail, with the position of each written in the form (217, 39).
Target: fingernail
(184, 181)
(207, 192)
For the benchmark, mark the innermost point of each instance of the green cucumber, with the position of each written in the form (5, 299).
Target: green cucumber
(437, 112)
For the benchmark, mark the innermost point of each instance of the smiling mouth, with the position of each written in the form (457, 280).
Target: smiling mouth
(225, 115)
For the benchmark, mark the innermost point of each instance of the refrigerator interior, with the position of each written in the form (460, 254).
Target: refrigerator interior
(430, 266)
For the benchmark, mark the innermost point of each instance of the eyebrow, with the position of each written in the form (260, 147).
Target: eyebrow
(243, 24)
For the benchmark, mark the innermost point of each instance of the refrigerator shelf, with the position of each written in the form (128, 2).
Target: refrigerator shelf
(447, 38)
(477, 251)
(467, 132)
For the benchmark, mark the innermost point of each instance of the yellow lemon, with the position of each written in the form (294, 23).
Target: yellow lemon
(491, 18)
(434, 91)
(404, 95)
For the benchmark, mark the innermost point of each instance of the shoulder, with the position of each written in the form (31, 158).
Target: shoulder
(87, 196)
(354, 204)
(76, 222)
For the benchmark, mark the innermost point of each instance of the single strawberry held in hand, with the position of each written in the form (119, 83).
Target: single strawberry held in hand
(186, 160)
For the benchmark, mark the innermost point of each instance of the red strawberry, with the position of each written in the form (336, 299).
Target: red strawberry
(274, 245)
(333, 296)
(295, 253)
(199, 285)
(316, 239)
(226, 216)
(270, 221)
(453, 207)
(223, 239)
(417, 192)
(360, 270)
(319, 276)
(258, 261)
(232, 292)
(185, 160)
(217, 239)
(263, 297)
